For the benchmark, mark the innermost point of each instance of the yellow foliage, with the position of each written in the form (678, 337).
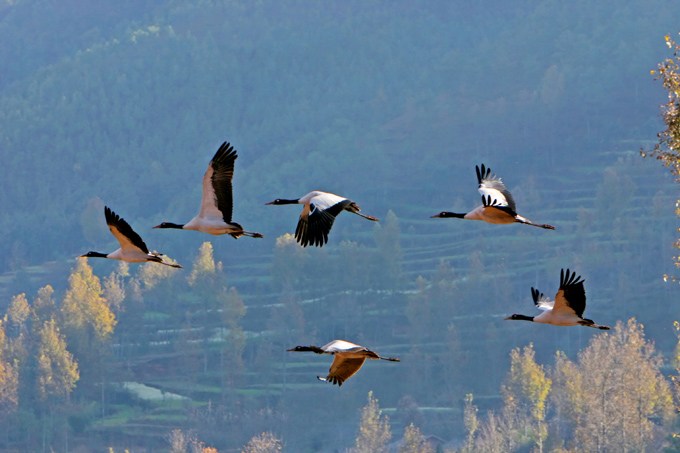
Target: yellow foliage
(18, 310)
(527, 387)
(152, 273)
(204, 264)
(57, 371)
(85, 312)
(374, 428)
(9, 385)
(414, 441)
(264, 443)
(616, 387)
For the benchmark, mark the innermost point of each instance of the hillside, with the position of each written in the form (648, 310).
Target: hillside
(391, 105)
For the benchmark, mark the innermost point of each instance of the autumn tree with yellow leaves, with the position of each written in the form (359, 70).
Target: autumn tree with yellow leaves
(525, 392)
(9, 378)
(615, 395)
(88, 322)
(57, 371)
(266, 442)
(667, 149)
(37, 371)
(414, 441)
(374, 429)
(87, 318)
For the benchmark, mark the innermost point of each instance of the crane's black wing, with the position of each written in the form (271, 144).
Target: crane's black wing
(571, 296)
(492, 186)
(314, 226)
(218, 178)
(122, 231)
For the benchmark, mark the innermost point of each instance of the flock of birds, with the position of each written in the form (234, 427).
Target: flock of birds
(316, 220)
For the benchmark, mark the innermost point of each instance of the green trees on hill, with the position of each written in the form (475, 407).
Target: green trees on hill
(188, 332)
(399, 110)
(388, 104)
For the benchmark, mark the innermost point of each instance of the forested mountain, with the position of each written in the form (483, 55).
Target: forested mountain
(391, 104)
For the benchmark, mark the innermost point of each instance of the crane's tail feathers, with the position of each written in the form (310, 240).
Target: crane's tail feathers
(246, 233)
(354, 208)
(391, 359)
(525, 221)
(595, 326)
(365, 216)
(156, 258)
(591, 323)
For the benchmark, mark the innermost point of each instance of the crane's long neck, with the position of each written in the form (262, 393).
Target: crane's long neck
(282, 201)
(455, 215)
(309, 349)
(521, 318)
(94, 255)
(170, 225)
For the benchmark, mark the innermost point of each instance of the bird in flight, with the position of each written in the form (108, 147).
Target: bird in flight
(217, 202)
(498, 206)
(567, 308)
(349, 357)
(132, 247)
(318, 214)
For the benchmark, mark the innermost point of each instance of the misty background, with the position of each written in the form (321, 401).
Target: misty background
(391, 104)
